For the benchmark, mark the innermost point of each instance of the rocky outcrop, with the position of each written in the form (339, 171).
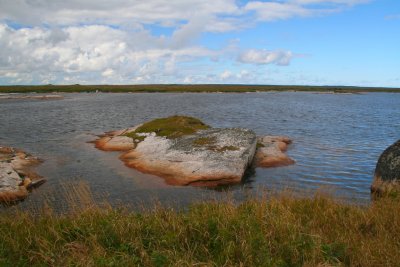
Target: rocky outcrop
(205, 157)
(271, 151)
(210, 157)
(387, 171)
(116, 140)
(16, 179)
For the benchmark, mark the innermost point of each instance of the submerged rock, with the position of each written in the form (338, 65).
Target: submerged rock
(271, 151)
(387, 171)
(185, 151)
(15, 176)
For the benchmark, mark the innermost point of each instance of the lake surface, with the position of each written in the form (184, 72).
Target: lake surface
(337, 140)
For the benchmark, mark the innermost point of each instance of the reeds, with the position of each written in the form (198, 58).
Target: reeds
(280, 230)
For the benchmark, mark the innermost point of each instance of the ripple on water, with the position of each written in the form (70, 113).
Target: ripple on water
(337, 140)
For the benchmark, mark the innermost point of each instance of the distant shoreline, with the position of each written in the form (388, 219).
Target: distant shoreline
(192, 88)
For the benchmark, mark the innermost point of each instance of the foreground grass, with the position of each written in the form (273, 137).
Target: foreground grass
(165, 88)
(280, 231)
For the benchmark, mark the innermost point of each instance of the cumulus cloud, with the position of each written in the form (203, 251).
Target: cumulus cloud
(104, 52)
(99, 41)
(117, 12)
(261, 57)
(278, 10)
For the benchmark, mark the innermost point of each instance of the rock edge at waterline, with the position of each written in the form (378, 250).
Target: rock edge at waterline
(16, 178)
(387, 172)
(203, 157)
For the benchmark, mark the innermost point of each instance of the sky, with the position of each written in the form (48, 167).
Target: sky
(289, 42)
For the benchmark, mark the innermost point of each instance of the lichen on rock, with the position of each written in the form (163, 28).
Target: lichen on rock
(185, 151)
(387, 172)
(16, 178)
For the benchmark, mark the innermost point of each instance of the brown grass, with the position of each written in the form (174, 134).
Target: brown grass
(280, 230)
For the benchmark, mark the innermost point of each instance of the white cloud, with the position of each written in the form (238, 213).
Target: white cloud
(103, 52)
(226, 75)
(73, 12)
(98, 41)
(271, 10)
(253, 56)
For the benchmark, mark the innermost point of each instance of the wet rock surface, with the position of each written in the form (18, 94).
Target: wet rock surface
(208, 157)
(16, 177)
(271, 151)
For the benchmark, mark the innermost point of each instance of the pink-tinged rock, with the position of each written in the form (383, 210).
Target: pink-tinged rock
(116, 140)
(15, 175)
(116, 143)
(208, 157)
(271, 152)
(181, 162)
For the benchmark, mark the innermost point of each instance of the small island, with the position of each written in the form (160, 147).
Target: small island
(185, 151)
(16, 176)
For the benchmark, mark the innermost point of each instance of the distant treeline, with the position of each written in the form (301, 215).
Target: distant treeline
(176, 88)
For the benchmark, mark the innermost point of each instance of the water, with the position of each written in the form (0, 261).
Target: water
(337, 140)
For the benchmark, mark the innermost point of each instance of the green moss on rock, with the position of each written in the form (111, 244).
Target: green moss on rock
(172, 127)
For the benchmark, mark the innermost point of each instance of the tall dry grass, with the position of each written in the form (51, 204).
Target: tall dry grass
(280, 230)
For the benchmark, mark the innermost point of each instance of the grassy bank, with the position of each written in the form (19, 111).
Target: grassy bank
(177, 88)
(280, 231)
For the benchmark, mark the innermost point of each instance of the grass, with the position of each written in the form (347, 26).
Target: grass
(134, 135)
(178, 88)
(171, 127)
(281, 230)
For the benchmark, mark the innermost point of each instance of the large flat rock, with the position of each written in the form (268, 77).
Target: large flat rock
(209, 157)
(185, 151)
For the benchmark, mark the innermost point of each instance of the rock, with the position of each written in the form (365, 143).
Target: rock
(116, 140)
(185, 151)
(270, 152)
(10, 181)
(15, 177)
(116, 143)
(35, 184)
(387, 171)
(221, 157)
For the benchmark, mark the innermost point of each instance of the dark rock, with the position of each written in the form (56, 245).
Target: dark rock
(387, 171)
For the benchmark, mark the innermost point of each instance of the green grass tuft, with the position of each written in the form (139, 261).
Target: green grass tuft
(173, 127)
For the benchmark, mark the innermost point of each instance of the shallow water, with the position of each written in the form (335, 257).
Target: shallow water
(337, 140)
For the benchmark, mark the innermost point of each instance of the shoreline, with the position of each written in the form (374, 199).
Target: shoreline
(201, 88)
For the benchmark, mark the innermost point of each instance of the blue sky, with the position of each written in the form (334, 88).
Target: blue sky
(305, 42)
